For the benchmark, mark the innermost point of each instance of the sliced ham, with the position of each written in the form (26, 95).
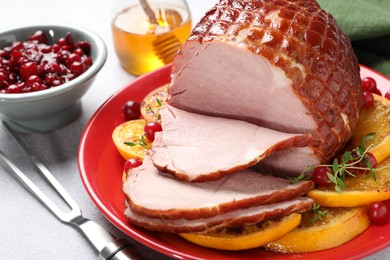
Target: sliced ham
(157, 195)
(196, 147)
(284, 65)
(247, 216)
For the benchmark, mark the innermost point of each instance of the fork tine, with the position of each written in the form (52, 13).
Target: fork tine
(34, 189)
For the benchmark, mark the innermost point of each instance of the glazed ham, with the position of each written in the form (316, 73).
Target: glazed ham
(157, 195)
(196, 147)
(284, 65)
(158, 201)
(273, 85)
(247, 216)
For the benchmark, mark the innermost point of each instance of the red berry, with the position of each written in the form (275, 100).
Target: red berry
(387, 95)
(150, 129)
(28, 69)
(368, 99)
(38, 86)
(319, 175)
(131, 110)
(33, 65)
(132, 163)
(33, 79)
(85, 46)
(77, 68)
(378, 92)
(378, 213)
(371, 158)
(38, 36)
(369, 84)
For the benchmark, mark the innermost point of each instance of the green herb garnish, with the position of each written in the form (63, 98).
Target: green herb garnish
(318, 214)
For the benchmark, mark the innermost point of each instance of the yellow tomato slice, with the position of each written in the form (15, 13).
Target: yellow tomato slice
(250, 237)
(338, 226)
(129, 139)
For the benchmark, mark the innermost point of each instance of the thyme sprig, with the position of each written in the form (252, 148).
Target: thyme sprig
(349, 163)
(300, 177)
(141, 141)
(318, 214)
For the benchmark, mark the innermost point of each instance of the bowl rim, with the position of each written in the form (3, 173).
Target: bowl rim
(97, 64)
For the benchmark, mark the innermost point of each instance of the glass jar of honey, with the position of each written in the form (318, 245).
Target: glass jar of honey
(148, 33)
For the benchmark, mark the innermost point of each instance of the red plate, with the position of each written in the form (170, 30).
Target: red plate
(101, 172)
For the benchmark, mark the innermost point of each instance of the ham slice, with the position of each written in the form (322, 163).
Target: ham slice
(283, 65)
(247, 216)
(196, 147)
(157, 195)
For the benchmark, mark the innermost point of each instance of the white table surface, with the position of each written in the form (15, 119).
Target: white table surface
(27, 229)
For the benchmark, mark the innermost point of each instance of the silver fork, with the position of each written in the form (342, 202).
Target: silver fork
(103, 241)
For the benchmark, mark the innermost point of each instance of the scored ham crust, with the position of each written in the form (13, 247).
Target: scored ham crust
(282, 64)
(157, 195)
(196, 147)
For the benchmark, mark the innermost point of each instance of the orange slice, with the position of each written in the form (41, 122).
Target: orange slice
(382, 150)
(362, 189)
(338, 226)
(129, 139)
(152, 103)
(250, 237)
(375, 120)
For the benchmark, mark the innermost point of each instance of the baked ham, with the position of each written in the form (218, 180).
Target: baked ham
(195, 147)
(158, 195)
(272, 81)
(246, 216)
(281, 64)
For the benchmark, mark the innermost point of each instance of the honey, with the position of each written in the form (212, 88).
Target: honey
(139, 43)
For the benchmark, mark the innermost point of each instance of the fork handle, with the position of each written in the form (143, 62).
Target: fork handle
(119, 249)
(106, 244)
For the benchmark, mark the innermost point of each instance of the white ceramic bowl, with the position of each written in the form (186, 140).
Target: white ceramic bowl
(47, 110)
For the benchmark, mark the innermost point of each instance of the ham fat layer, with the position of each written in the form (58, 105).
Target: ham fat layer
(196, 147)
(157, 195)
(247, 216)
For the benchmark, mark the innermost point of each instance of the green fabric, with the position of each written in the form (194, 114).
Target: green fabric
(367, 23)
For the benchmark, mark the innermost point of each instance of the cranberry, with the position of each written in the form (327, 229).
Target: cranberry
(77, 68)
(387, 95)
(73, 57)
(368, 99)
(378, 92)
(38, 36)
(150, 129)
(46, 49)
(38, 86)
(33, 65)
(371, 158)
(132, 163)
(61, 41)
(15, 88)
(378, 213)
(131, 110)
(369, 84)
(33, 79)
(78, 51)
(52, 68)
(85, 46)
(319, 175)
(28, 69)
(53, 80)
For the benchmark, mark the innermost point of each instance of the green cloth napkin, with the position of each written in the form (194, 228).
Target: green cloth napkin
(367, 23)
